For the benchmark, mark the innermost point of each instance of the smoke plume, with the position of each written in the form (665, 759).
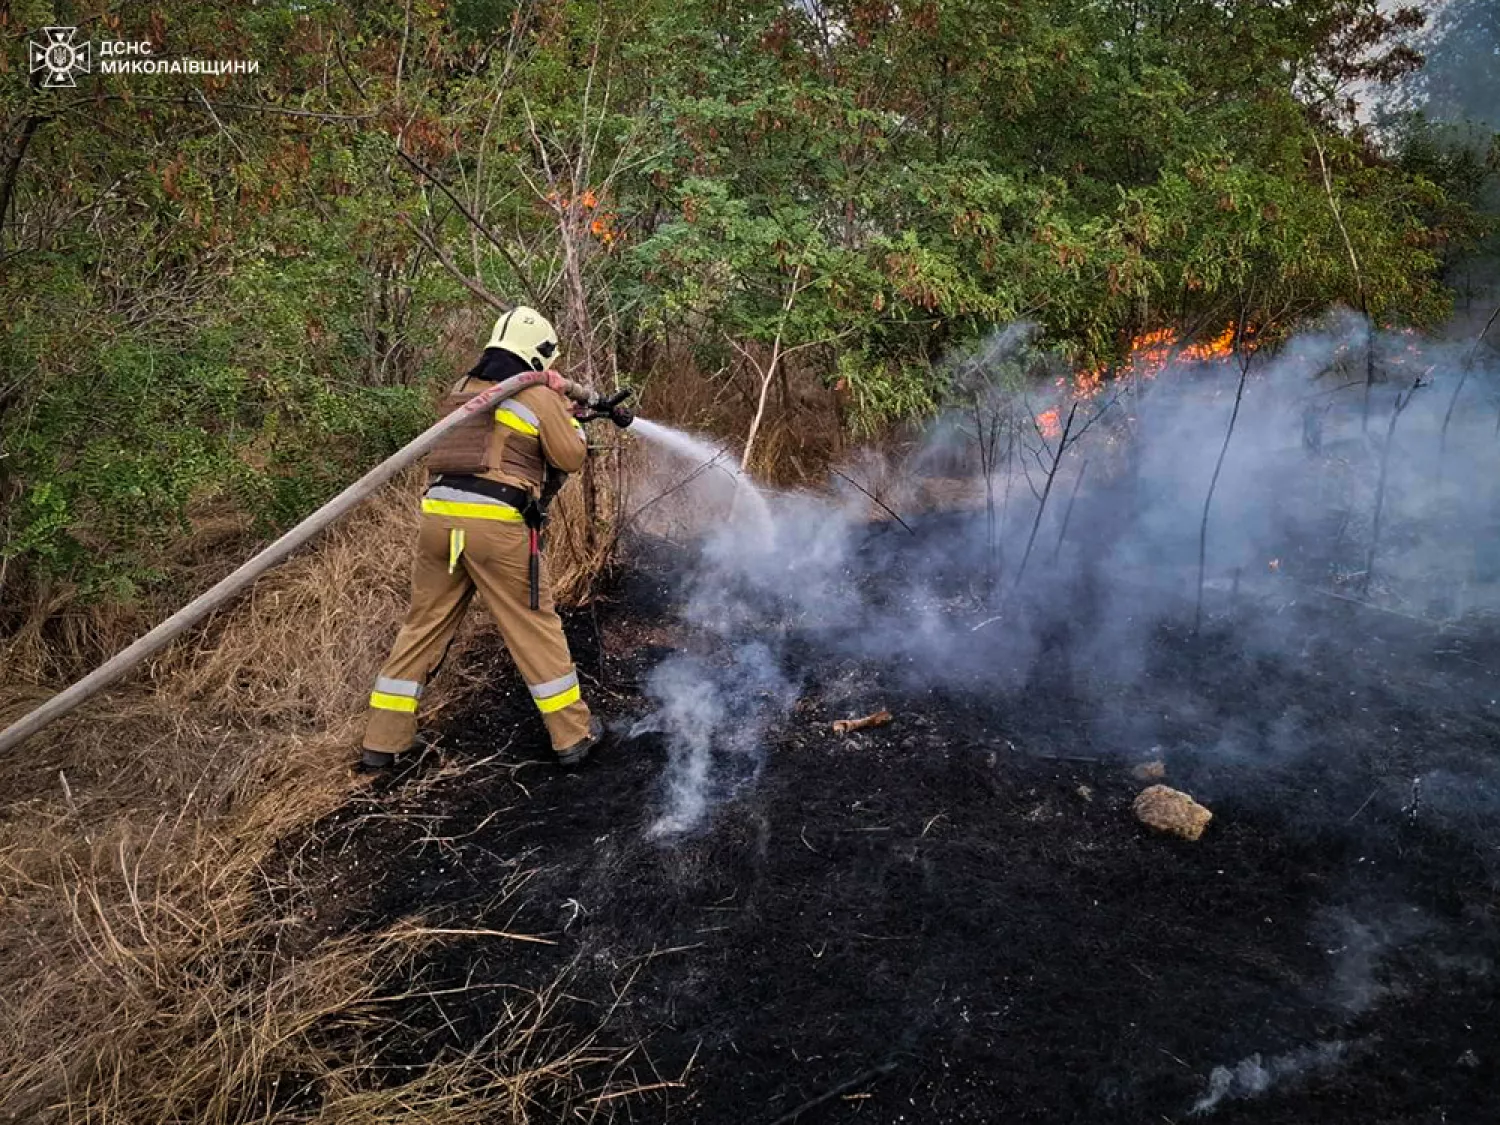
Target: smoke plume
(1253, 1076)
(1044, 529)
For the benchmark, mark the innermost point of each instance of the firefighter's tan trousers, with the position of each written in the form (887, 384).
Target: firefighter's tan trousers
(454, 557)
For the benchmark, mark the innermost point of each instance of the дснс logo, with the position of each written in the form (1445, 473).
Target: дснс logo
(59, 56)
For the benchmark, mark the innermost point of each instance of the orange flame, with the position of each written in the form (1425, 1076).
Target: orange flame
(601, 225)
(1220, 347)
(1150, 353)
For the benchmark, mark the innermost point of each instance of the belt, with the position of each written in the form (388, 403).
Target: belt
(517, 498)
(502, 502)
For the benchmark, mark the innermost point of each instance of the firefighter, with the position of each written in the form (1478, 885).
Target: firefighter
(490, 481)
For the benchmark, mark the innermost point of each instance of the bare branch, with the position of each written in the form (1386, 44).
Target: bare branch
(494, 240)
(462, 278)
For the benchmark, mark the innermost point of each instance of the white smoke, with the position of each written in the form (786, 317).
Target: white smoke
(1113, 551)
(713, 716)
(1253, 1076)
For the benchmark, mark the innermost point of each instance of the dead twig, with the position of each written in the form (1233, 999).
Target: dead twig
(1362, 805)
(442, 931)
(802, 835)
(655, 953)
(877, 719)
(837, 1091)
(683, 483)
(636, 1090)
(875, 499)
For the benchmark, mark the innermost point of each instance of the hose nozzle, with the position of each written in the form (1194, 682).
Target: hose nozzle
(591, 404)
(613, 408)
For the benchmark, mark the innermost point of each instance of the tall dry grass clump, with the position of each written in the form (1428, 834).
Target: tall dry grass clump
(144, 976)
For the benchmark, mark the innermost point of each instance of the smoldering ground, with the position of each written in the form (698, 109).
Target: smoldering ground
(1349, 520)
(957, 912)
(1383, 497)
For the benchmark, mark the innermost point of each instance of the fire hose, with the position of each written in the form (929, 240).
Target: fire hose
(592, 405)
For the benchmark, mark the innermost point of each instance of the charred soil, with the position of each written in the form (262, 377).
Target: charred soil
(955, 917)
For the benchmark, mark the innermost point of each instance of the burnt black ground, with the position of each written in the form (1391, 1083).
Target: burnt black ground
(958, 910)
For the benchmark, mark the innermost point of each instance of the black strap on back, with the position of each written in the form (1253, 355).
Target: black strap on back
(517, 498)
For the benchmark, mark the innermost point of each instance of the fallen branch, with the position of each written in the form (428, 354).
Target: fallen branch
(878, 719)
(1431, 623)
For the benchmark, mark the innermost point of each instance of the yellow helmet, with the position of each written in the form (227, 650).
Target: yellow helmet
(527, 335)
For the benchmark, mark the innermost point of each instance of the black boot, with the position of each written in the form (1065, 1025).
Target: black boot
(578, 753)
(373, 761)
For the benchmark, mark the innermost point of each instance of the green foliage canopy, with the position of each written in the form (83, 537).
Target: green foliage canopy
(230, 292)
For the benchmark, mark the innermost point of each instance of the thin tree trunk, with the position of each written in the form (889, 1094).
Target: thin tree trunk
(770, 372)
(1041, 508)
(1464, 378)
(1385, 463)
(1010, 480)
(1068, 511)
(13, 169)
(766, 377)
(1213, 484)
(1359, 282)
(986, 444)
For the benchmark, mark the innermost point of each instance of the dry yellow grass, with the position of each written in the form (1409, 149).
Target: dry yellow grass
(145, 978)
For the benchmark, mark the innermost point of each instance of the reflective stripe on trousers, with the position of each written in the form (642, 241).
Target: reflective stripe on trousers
(494, 566)
(556, 694)
(395, 695)
(442, 500)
